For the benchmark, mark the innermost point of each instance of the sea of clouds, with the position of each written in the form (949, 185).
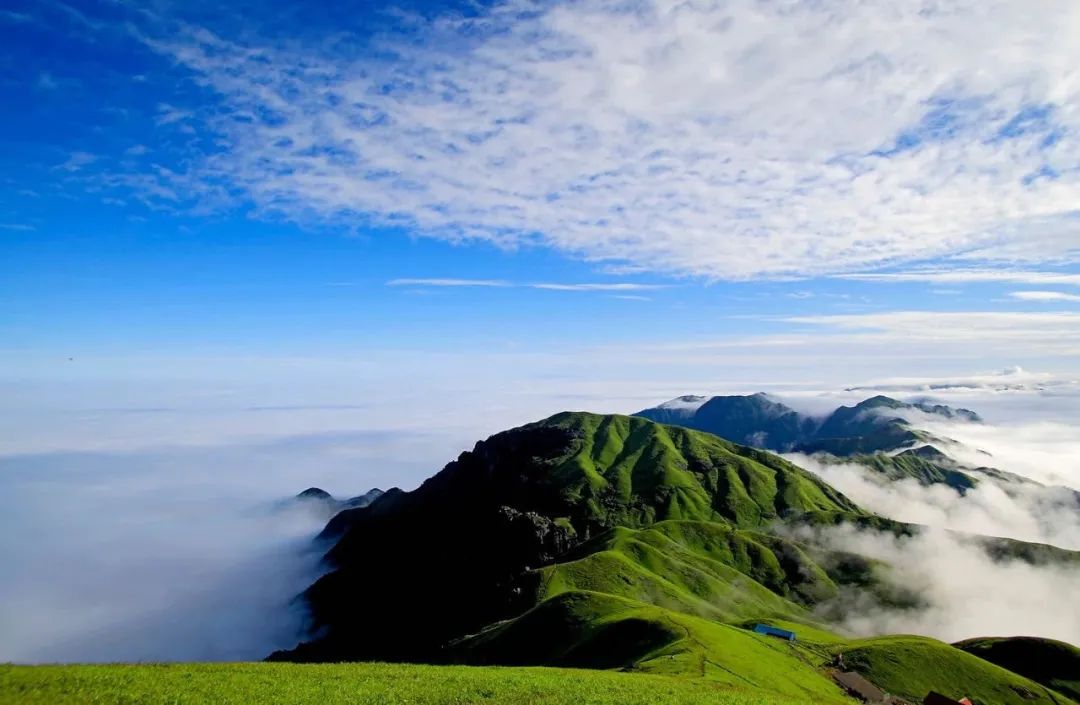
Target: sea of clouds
(144, 532)
(1032, 429)
(173, 553)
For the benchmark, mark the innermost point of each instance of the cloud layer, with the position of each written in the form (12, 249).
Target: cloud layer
(969, 275)
(965, 592)
(159, 556)
(722, 139)
(135, 531)
(1044, 296)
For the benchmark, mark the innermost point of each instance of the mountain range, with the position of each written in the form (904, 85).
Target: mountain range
(330, 505)
(876, 424)
(607, 541)
(875, 434)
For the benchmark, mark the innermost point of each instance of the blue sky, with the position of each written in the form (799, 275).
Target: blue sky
(474, 199)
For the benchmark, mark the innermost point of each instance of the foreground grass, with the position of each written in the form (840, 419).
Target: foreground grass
(374, 683)
(599, 630)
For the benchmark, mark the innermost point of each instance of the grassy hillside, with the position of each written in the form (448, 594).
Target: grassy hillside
(921, 466)
(596, 630)
(632, 472)
(704, 568)
(1055, 664)
(358, 684)
(462, 551)
(909, 666)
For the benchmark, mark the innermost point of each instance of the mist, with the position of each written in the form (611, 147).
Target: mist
(157, 527)
(176, 553)
(146, 518)
(966, 592)
(1018, 511)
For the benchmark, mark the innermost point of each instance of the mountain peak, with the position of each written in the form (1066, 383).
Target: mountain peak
(755, 419)
(315, 493)
(927, 452)
(524, 497)
(686, 401)
(881, 400)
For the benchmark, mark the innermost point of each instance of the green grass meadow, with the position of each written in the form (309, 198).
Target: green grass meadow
(360, 683)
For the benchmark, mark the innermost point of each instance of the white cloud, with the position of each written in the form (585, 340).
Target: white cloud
(721, 139)
(168, 114)
(1027, 513)
(448, 282)
(965, 592)
(77, 160)
(1012, 380)
(603, 286)
(1047, 450)
(165, 554)
(1044, 296)
(947, 570)
(1056, 332)
(969, 276)
(599, 287)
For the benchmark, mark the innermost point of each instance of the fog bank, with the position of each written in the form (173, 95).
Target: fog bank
(966, 593)
(181, 553)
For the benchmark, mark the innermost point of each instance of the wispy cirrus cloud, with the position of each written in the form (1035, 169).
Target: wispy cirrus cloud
(15, 17)
(449, 282)
(923, 335)
(1051, 333)
(950, 323)
(1013, 379)
(1044, 296)
(550, 286)
(725, 140)
(76, 161)
(616, 286)
(969, 276)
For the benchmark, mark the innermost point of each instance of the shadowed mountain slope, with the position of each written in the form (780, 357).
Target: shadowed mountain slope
(1054, 664)
(910, 666)
(460, 551)
(873, 425)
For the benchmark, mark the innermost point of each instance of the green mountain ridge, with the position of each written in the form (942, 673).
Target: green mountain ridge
(521, 499)
(869, 434)
(612, 542)
(873, 425)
